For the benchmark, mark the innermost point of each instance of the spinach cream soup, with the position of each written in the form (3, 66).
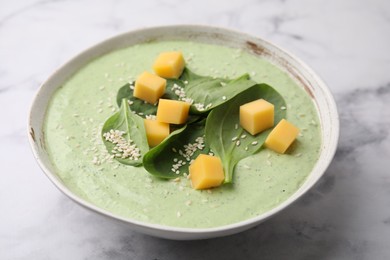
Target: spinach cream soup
(79, 108)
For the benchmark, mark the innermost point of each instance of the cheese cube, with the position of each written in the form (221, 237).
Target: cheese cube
(282, 136)
(172, 111)
(206, 172)
(257, 116)
(149, 87)
(169, 64)
(156, 131)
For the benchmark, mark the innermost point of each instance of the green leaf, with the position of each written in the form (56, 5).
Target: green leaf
(222, 127)
(160, 160)
(203, 90)
(132, 131)
(208, 92)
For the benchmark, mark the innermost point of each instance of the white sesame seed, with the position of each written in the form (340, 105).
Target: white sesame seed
(254, 142)
(283, 108)
(238, 143)
(246, 166)
(246, 148)
(234, 138)
(178, 214)
(223, 97)
(243, 136)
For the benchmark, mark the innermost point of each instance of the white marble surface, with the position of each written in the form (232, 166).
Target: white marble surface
(346, 216)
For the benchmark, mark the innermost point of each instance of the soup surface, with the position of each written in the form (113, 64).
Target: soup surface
(80, 107)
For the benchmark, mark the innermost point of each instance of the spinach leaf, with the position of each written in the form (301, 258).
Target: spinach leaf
(208, 92)
(172, 157)
(124, 136)
(227, 139)
(205, 92)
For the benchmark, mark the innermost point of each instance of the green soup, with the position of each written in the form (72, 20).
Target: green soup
(79, 108)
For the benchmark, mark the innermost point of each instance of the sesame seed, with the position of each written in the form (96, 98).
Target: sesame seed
(243, 136)
(178, 214)
(246, 166)
(246, 148)
(234, 138)
(238, 143)
(236, 126)
(298, 155)
(254, 142)
(283, 108)
(223, 97)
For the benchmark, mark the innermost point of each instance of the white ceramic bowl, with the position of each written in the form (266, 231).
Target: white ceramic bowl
(313, 85)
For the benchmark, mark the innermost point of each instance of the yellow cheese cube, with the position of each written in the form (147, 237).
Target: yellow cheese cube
(156, 131)
(149, 87)
(282, 136)
(169, 64)
(206, 172)
(257, 116)
(172, 111)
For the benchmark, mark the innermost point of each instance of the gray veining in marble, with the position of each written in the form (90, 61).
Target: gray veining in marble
(345, 216)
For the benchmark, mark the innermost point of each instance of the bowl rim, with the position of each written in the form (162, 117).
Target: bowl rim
(159, 229)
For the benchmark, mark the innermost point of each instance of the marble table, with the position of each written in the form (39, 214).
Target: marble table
(345, 216)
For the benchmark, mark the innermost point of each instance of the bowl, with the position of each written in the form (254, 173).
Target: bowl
(300, 72)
